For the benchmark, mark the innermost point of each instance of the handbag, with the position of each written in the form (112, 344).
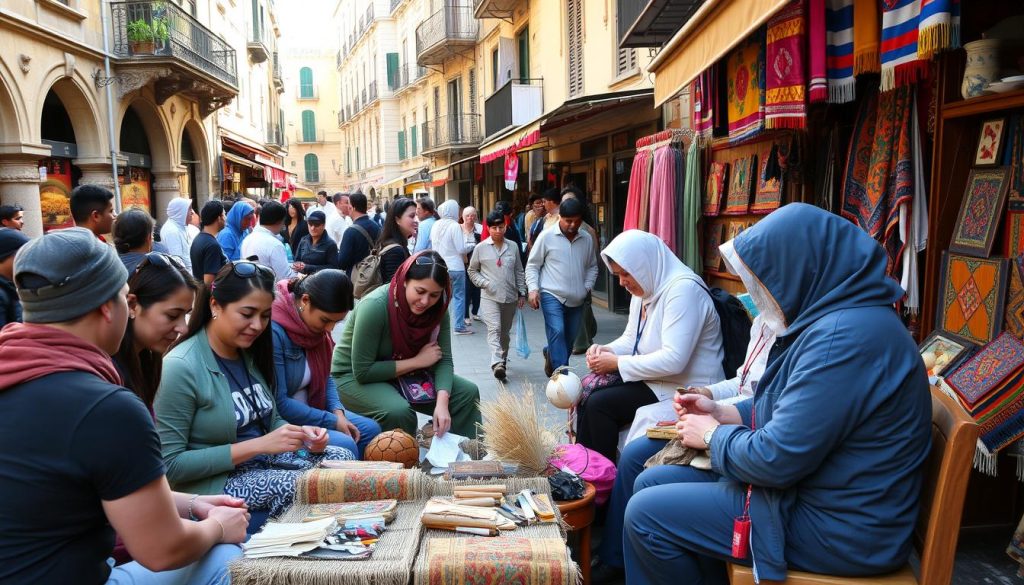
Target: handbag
(417, 387)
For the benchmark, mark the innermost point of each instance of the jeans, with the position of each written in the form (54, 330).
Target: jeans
(472, 299)
(368, 429)
(561, 323)
(458, 306)
(212, 569)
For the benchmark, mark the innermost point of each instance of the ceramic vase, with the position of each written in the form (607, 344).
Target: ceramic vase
(982, 66)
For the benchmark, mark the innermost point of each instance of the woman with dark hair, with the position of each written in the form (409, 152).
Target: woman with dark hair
(215, 412)
(399, 226)
(402, 363)
(305, 312)
(294, 225)
(133, 236)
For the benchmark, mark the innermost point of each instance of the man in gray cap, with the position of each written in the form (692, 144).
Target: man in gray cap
(79, 456)
(10, 241)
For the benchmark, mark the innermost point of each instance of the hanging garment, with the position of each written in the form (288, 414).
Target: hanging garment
(662, 216)
(816, 38)
(914, 221)
(866, 33)
(631, 221)
(938, 27)
(842, 85)
(746, 89)
(879, 172)
(645, 192)
(900, 63)
(692, 210)
(785, 84)
(704, 101)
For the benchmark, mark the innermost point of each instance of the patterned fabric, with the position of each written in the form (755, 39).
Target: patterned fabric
(938, 27)
(1016, 149)
(900, 63)
(712, 255)
(842, 85)
(1014, 233)
(715, 188)
(785, 85)
(879, 171)
(746, 89)
(460, 561)
(990, 386)
(1014, 320)
(769, 183)
(638, 183)
(983, 203)
(740, 184)
(817, 69)
(328, 486)
(866, 33)
(972, 296)
(704, 89)
(267, 483)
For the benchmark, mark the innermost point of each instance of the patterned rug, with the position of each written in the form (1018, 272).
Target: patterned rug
(1014, 318)
(785, 85)
(990, 387)
(741, 181)
(980, 212)
(506, 559)
(972, 296)
(328, 486)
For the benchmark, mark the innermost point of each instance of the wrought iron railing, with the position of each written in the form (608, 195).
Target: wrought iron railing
(452, 131)
(453, 22)
(410, 73)
(516, 102)
(302, 137)
(175, 33)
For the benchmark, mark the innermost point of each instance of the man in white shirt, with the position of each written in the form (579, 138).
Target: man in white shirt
(338, 222)
(263, 245)
(320, 205)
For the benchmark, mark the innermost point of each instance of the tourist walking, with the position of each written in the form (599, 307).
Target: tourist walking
(453, 243)
(357, 242)
(317, 251)
(263, 245)
(11, 240)
(426, 213)
(471, 223)
(206, 253)
(173, 235)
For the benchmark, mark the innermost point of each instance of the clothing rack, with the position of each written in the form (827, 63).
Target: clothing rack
(670, 136)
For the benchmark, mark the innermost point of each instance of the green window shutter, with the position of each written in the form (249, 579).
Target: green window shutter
(393, 76)
(401, 145)
(359, 164)
(412, 132)
(305, 82)
(312, 165)
(308, 126)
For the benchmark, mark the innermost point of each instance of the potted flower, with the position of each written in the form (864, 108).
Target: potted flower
(140, 37)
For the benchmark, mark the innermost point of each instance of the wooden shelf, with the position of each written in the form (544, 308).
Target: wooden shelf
(984, 104)
(722, 275)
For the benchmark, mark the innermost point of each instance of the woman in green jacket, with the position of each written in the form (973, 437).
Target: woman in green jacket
(399, 334)
(215, 409)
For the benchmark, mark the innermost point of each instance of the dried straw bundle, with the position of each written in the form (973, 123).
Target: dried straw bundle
(512, 431)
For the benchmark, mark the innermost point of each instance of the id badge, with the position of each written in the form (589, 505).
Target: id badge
(740, 537)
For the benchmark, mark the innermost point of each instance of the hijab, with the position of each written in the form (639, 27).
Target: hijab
(318, 346)
(648, 260)
(409, 331)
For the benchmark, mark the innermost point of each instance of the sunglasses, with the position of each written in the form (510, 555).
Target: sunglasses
(162, 260)
(246, 269)
(427, 260)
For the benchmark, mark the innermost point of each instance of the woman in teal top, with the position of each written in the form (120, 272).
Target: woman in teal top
(399, 331)
(219, 427)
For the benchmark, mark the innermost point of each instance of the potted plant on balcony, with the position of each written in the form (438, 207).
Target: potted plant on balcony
(160, 32)
(140, 37)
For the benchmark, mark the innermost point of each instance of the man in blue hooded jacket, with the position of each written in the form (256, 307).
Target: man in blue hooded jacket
(833, 440)
(238, 221)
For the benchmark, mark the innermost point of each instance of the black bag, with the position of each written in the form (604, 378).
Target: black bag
(735, 323)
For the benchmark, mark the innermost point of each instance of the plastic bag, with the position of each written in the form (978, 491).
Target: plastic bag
(522, 346)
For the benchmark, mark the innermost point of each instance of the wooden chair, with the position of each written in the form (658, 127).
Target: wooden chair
(954, 436)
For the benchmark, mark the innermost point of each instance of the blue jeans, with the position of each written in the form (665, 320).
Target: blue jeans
(457, 310)
(368, 429)
(212, 569)
(561, 324)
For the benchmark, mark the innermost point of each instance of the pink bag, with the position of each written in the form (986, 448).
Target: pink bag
(589, 465)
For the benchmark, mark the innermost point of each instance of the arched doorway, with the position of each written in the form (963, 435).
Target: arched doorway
(194, 158)
(58, 132)
(137, 175)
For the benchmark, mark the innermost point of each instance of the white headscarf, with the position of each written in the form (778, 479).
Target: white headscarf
(648, 260)
(449, 210)
(769, 311)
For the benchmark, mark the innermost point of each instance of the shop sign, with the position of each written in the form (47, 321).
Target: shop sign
(55, 193)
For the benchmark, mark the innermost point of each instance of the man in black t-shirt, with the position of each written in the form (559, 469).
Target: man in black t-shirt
(79, 456)
(207, 256)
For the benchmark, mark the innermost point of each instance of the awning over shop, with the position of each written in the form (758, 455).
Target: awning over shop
(439, 176)
(513, 141)
(579, 109)
(718, 27)
(400, 180)
(240, 160)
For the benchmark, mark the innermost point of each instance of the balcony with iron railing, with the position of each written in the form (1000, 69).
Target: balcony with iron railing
(444, 33)
(198, 63)
(362, 98)
(406, 76)
(459, 132)
(515, 103)
(315, 137)
(275, 136)
(371, 92)
(278, 79)
(258, 44)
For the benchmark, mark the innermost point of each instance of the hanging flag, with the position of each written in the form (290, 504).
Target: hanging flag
(511, 170)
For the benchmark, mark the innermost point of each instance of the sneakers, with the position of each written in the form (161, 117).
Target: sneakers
(477, 318)
(463, 332)
(467, 321)
(499, 371)
(548, 370)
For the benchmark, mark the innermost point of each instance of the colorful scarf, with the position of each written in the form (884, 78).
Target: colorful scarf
(663, 197)
(938, 28)
(817, 67)
(636, 186)
(692, 209)
(879, 172)
(704, 101)
(900, 63)
(409, 331)
(866, 32)
(29, 351)
(746, 89)
(319, 347)
(842, 85)
(785, 100)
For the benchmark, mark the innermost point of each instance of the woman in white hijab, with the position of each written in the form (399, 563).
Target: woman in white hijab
(448, 239)
(672, 338)
(173, 234)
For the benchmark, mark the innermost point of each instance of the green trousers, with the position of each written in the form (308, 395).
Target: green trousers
(382, 402)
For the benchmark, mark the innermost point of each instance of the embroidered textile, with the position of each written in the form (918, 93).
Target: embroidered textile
(1014, 233)
(746, 89)
(879, 171)
(972, 296)
(717, 175)
(1014, 320)
(986, 371)
(329, 486)
(938, 28)
(785, 85)
(817, 68)
(982, 206)
(900, 63)
(712, 255)
(866, 35)
(768, 195)
(458, 561)
(842, 84)
(1016, 148)
(704, 90)
(740, 183)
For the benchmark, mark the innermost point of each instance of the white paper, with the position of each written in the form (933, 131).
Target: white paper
(444, 450)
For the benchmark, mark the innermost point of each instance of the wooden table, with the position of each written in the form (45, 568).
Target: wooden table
(579, 515)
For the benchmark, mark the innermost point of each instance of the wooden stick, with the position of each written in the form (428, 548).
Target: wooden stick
(484, 502)
(439, 521)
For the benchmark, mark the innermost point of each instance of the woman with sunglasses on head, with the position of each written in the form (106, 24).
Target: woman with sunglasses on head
(394, 358)
(399, 226)
(215, 411)
(305, 312)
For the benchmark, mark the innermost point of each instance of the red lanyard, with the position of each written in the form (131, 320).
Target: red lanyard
(741, 525)
(762, 341)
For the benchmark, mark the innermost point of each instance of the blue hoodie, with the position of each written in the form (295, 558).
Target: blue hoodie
(843, 411)
(231, 236)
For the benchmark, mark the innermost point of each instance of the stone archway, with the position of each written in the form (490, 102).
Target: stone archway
(165, 167)
(19, 160)
(83, 111)
(200, 149)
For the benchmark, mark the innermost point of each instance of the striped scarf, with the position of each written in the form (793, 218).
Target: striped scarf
(842, 85)
(704, 102)
(900, 63)
(938, 27)
(816, 70)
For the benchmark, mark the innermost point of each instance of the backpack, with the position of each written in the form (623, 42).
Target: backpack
(735, 323)
(366, 275)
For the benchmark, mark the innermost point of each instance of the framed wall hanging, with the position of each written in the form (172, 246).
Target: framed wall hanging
(713, 194)
(980, 212)
(990, 143)
(942, 352)
(768, 194)
(741, 182)
(972, 296)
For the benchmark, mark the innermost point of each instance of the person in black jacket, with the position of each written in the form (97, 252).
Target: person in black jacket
(316, 250)
(295, 227)
(360, 237)
(399, 226)
(11, 240)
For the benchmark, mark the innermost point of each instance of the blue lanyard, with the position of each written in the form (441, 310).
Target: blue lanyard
(641, 324)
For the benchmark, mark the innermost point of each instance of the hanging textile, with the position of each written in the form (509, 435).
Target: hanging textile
(704, 90)
(1016, 149)
(816, 39)
(939, 27)
(866, 33)
(645, 193)
(842, 85)
(825, 175)
(879, 172)
(746, 89)
(662, 218)
(914, 220)
(785, 101)
(900, 63)
(692, 210)
(637, 177)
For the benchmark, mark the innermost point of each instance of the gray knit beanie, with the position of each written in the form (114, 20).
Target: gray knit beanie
(66, 274)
